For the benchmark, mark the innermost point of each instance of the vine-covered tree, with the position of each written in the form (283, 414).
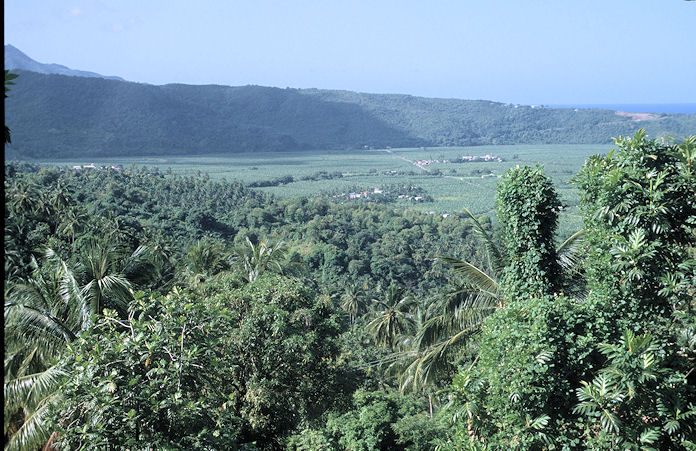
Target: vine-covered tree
(612, 369)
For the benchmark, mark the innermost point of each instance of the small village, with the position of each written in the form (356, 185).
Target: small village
(389, 194)
(98, 168)
(462, 159)
(479, 158)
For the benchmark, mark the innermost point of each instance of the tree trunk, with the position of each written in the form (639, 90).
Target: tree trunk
(430, 402)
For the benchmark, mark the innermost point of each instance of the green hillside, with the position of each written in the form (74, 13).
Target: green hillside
(61, 116)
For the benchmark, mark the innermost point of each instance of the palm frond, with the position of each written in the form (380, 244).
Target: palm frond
(33, 433)
(497, 257)
(71, 293)
(139, 265)
(28, 391)
(35, 320)
(474, 276)
(569, 252)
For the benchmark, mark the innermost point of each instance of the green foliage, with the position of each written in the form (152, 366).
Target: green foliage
(204, 259)
(539, 352)
(281, 355)
(252, 260)
(640, 214)
(639, 399)
(382, 421)
(44, 313)
(158, 379)
(528, 211)
(339, 244)
(308, 440)
(532, 356)
(246, 356)
(392, 316)
(215, 368)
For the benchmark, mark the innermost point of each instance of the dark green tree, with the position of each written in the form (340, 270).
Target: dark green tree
(282, 355)
(157, 379)
(550, 371)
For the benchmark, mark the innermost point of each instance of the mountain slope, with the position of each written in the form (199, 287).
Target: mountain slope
(60, 116)
(15, 59)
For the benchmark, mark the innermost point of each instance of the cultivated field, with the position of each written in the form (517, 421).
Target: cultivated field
(451, 185)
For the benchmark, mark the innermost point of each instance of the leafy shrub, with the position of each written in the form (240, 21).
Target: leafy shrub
(158, 379)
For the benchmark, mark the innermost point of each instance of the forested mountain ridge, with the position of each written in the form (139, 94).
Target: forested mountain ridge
(61, 116)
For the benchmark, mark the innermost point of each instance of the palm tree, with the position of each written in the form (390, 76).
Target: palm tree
(393, 316)
(252, 260)
(163, 263)
(434, 349)
(108, 272)
(204, 259)
(459, 314)
(42, 315)
(46, 312)
(23, 198)
(353, 302)
(61, 196)
(73, 219)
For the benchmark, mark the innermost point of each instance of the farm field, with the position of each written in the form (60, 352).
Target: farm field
(451, 185)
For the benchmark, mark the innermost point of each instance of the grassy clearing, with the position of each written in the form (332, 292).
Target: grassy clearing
(458, 185)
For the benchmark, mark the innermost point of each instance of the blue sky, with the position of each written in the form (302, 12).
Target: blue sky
(529, 51)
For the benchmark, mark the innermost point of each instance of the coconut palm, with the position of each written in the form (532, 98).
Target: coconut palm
(108, 272)
(353, 302)
(432, 352)
(61, 196)
(251, 260)
(23, 198)
(72, 221)
(458, 315)
(46, 312)
(204, 259)
(393, 316)
(43, 313)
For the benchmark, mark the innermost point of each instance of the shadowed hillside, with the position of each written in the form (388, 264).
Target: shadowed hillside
(63, 116)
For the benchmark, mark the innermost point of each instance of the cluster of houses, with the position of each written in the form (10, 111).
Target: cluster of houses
(364, 194)
(488, 157)
(98, 168)
(427, 162)
(367, 194)
(413, 198)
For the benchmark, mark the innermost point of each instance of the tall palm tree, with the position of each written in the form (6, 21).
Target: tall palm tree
(251, 260)
(23, 198)
(436, 346)
(204, 259)
(61, 196)
(392, 317)
(43, 313)
(46, 312)
(108, 272)
(72, 221)
(353, 302)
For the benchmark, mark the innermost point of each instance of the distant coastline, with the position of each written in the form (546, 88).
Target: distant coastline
(683, 108)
